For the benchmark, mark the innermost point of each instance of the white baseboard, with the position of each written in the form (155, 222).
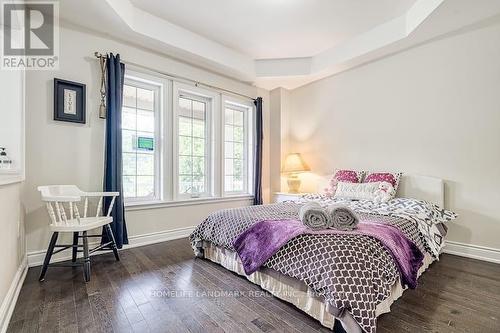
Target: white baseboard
(9, 302)
(158, 237)
(473, 251)
(35, 258)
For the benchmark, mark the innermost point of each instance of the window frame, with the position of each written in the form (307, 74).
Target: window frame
(166, 153)
(212, 153)
(248, 110)
(145, 81)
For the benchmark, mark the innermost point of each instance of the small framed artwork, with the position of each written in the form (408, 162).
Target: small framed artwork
(69, 101)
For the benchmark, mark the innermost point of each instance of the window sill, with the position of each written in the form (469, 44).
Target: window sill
(132, 206)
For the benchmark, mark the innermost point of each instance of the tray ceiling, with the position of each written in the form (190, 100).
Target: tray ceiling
(274, 43)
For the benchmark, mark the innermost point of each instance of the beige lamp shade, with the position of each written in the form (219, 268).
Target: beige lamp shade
(294, 163)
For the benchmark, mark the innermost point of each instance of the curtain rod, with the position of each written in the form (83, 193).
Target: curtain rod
(177, 77)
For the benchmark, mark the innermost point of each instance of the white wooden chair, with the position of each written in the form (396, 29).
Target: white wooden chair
(69, 219)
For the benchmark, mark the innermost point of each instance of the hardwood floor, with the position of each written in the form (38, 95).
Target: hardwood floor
(454, 295)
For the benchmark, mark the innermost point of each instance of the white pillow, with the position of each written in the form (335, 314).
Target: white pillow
(376, 191)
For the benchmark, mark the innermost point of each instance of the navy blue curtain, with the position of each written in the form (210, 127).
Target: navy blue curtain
(257, 189)
(115, 71)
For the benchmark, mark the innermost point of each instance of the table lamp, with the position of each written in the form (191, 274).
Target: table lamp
(294, 164)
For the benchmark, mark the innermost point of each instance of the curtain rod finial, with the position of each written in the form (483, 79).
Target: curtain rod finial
(98, 55)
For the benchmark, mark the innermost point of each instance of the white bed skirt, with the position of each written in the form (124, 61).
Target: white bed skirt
(296, 292)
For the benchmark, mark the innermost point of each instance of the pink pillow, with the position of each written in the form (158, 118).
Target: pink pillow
(346, 176)
(390, 177)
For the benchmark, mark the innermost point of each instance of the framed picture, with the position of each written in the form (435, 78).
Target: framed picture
(69, 101)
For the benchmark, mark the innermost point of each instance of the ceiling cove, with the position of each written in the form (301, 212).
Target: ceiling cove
(388, 31)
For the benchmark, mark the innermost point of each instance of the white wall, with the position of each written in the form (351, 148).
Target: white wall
(279, 125)
(275, 139)
(64, 153)
(13, 247)
(12, 235)
(431, 110)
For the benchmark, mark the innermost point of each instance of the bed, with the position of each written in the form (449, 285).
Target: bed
(347, 279)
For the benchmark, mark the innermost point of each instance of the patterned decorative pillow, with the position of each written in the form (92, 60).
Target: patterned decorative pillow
(377, 192)
(346, 176)
(392, 178)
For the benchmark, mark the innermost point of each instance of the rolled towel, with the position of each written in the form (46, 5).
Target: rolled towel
(342, 217)
(314, 216)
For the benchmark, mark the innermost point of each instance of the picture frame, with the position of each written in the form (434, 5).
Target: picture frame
(69, 101)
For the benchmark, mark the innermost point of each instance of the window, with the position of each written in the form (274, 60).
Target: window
(193, 146)
(236, 148)
(182, 142)
(140, 139)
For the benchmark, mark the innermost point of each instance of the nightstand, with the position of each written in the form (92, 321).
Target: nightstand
(283, 196)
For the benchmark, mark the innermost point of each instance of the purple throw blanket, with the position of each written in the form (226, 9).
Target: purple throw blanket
(261, 241)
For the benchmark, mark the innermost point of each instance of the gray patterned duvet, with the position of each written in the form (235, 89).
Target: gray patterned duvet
(351, 272)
